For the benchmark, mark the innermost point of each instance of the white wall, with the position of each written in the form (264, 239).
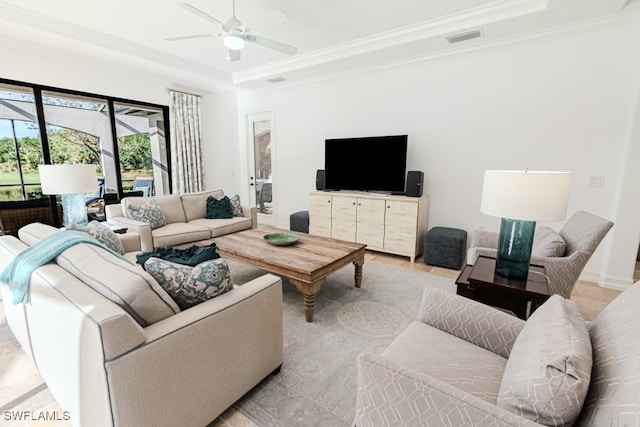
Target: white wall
(557, 102)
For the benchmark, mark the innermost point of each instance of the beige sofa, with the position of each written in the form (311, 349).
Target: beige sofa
(115, 350)
(462, 363)
(185, 220)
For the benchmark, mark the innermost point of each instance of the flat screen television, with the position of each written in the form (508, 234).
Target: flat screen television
(376, 163)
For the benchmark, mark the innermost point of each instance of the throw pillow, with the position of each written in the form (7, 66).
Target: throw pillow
(236, 208)
(547, 375)
(189, 286)
(101, 233)
(547, 243)
(219, 208)
(149, 212)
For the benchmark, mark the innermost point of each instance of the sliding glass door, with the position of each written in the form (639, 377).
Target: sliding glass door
(126, 140)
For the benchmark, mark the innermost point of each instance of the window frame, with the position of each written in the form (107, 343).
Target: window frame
(38, 89)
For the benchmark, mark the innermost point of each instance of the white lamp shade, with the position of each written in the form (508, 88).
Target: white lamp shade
(526, 195)
(68, 179)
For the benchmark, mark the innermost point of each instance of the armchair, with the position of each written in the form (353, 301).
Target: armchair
(143, 184)
(461, 364)
(582, 234)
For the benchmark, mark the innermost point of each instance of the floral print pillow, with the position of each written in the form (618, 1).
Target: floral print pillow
(149, 212)
(101, 233)
(189, 286)
(236, 208)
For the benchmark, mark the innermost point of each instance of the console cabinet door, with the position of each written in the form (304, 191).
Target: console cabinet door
(370, 222)
(320, 215)
(401, 226)
(343, 218)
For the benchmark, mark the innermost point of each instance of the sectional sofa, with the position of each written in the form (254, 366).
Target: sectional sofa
(185, 219)
(116, 350)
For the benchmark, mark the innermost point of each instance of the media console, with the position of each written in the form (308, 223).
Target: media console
(385, 223)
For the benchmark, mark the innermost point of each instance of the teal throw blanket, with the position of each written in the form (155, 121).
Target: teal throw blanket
(192, 256)
(18, 273)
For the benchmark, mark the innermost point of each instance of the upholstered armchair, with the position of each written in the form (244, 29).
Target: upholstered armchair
(563, 254)
(463, 363)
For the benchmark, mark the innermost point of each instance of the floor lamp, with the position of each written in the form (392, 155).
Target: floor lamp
(72, 182)
(521, 198)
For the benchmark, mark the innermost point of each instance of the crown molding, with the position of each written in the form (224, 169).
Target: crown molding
(78, 34)
(469, 19)
(626, 16)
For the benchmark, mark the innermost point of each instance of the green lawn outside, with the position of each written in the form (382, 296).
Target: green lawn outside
(14, 178)
(15, 193)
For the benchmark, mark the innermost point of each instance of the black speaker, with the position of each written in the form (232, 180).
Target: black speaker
(320, 179)
(415, 180)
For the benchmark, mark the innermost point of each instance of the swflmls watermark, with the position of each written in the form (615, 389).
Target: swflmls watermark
(36, 415)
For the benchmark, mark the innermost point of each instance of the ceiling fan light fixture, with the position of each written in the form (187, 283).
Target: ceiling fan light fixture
(234, 42)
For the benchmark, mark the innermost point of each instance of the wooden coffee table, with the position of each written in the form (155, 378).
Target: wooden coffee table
(522, 296)
(306, 264)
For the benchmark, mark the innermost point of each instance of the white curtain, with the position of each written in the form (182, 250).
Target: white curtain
(186, 145)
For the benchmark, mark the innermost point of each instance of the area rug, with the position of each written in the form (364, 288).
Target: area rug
(317, 383)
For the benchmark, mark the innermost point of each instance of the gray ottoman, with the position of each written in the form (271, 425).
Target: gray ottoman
(445, 247)
(299, 221)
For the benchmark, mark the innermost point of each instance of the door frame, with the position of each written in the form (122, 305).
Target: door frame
(250, 118)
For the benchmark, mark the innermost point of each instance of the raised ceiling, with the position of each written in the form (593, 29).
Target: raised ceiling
(331, 35)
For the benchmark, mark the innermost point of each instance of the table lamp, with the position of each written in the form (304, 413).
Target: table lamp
(72, 182)
(521, 198)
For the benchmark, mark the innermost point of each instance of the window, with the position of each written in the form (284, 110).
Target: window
(20, 147)
(143, 148)
(125, 139)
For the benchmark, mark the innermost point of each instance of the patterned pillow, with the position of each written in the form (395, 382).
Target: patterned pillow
(547, 243)
(189, 286)
(219, 208)
(236, 208)
(149, 212)
(547, 375)
(101, 233)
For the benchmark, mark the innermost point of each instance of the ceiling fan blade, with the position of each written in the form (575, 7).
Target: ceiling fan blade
(195, 36)
(200, 13)
(268, 20)
(233, 55)
(271, 44)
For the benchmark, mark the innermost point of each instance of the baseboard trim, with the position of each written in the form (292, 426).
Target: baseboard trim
(617, 283)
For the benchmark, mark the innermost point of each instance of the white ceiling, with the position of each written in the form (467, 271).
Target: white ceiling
(331, 35)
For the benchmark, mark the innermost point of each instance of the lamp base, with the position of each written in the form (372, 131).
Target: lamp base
(74, 210)
(514, 248)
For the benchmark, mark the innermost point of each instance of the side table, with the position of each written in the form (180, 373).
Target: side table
(522, 296)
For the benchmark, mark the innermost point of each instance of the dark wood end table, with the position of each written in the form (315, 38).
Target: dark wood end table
(522, 296)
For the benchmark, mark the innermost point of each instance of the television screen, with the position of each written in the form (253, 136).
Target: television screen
(375, 163)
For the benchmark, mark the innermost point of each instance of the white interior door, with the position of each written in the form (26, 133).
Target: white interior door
(261, 165)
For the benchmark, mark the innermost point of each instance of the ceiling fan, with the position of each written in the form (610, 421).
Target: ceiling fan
(234, 33)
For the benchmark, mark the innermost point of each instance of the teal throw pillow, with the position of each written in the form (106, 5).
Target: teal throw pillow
(101, 233)
(219, 208)
(149, 212)
(189, 286)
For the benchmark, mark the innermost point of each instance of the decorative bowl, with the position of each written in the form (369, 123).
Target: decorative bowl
(281, 239)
